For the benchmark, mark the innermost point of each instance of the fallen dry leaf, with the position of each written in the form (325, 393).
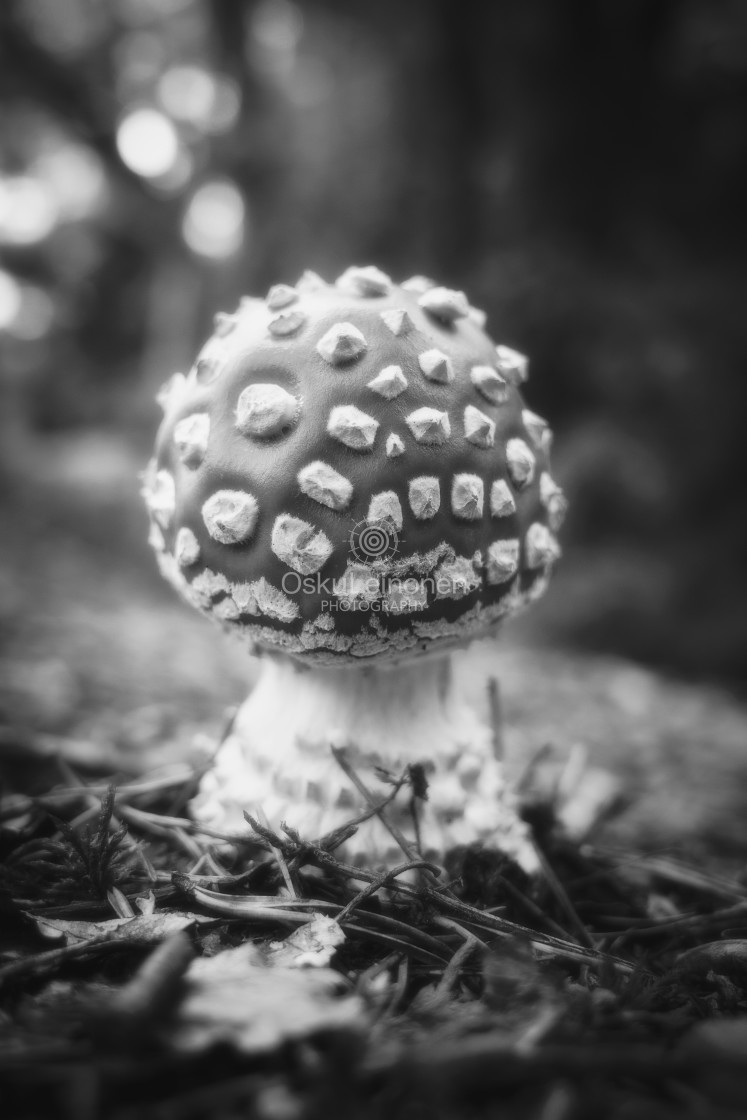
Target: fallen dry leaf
(312, 945)
(145, 929)
(240, 999)
(146, 904)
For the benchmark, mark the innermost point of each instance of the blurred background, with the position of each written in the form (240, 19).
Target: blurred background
(580, 169)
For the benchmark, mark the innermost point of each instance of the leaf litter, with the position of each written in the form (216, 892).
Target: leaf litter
(262, 971)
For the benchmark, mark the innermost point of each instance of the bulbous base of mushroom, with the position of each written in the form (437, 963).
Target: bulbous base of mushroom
(278, 762)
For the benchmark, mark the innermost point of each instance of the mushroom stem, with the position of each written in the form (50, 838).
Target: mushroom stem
(279, 759)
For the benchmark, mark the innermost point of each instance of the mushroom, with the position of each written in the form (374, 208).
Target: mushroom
(349, 481)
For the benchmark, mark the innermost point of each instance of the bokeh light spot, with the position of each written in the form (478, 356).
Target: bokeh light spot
(277, 25)
(64, 27)
(226, 105)
(28, 211)
(138, 59)
(10, 300)
(35, 314)
(145, 11)
(148, 143)
(274, 33)
(76, 178)
(215, 219)
(210, 102)
(187, 93)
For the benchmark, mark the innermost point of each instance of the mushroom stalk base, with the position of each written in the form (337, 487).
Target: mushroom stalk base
(278, 762)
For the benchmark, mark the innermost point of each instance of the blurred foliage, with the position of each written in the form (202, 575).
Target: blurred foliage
(578, 168)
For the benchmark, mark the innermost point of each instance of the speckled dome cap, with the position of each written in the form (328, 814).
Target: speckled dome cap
(349, 471)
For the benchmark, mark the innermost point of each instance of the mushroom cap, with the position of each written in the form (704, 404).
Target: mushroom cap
(349, 471)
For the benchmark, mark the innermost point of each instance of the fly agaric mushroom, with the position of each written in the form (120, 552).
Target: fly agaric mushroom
(349, 480)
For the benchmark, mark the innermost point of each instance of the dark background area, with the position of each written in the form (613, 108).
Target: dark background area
(579, 168)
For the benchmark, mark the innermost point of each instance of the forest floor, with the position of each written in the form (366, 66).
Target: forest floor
(160, 973)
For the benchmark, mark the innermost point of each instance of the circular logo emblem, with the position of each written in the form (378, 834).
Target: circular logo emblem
(373, 540)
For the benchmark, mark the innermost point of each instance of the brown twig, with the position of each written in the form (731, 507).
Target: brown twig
(384, 880)
(339, 755)
(561, 897)
(22, 803)
(338, 836)
(496, 718)
(541, 942)
(280, 859)
(469, 944)
(531, 907)
(151, 822)
(688, 923)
